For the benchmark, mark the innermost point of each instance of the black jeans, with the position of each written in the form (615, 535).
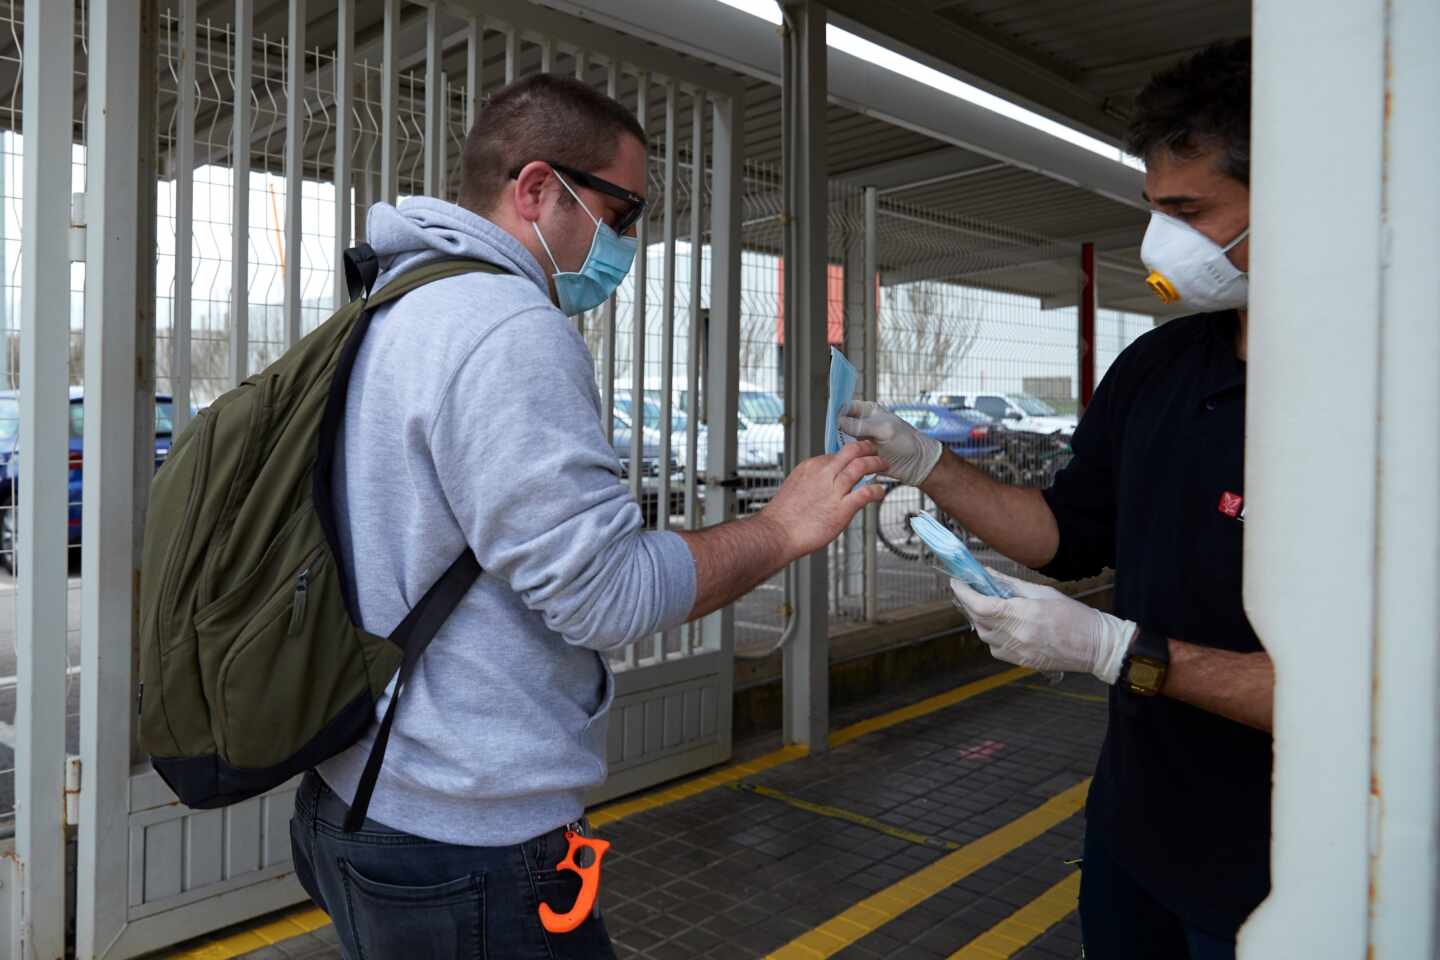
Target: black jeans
(394, 896)
(1120, 920)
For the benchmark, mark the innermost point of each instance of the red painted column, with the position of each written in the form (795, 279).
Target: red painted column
(1086, 352)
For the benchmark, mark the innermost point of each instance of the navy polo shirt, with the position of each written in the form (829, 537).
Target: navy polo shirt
(1181, 796)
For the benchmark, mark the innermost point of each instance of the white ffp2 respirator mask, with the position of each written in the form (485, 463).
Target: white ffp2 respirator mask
(1189, 267)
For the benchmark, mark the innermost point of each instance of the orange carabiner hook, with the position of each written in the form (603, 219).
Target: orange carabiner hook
(589, 884)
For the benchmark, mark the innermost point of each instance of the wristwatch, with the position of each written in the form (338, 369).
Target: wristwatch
(1146, 663)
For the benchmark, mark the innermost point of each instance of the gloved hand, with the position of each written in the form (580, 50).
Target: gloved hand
(1043, 629)
(910, 453)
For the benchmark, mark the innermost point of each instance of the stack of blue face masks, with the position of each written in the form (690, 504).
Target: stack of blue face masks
(843, 380)
(955, 558)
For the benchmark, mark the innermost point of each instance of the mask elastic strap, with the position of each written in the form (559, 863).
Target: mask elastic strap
(594, 219)
(536, 227)
(1236, 242)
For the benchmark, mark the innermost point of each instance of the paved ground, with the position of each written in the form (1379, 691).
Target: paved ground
(949, 831)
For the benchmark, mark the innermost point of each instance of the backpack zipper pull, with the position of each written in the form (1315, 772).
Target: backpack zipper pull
(297, 605)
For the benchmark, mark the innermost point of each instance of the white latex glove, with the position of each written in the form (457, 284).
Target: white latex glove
(910, 453)
(1043, 629)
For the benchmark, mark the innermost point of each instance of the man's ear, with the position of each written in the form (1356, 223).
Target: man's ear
(527, 192)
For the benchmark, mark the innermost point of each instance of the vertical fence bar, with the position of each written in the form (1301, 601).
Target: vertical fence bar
(434, 105)
(692, 636)
(667, 306)
(112, 267)
(871, 387)
(607, 389)
(240, 193)
(512, 55)
(183, 157)
(294, 169)
(344, 139)
(45, 419)
(722, 376)
(474, 67)
(389, 95)
(637, 349)
(547, 55)
(582, 65)
(807, 656)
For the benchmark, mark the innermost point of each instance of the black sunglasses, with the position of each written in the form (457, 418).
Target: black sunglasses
(627, 218)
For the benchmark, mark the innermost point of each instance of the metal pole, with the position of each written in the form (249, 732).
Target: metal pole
(344, 139)
(294, 170)
(474, 67)
(871, 375)
(1085, 352)
(45, 422)
(607, 389)
(180, 312)
(512, 55)
(113, 263)
(389, 94)
(240, 193)
(807, 656)
(722, 378)
(692, 362)
(667, 306)
(637, 340)
(434, 104)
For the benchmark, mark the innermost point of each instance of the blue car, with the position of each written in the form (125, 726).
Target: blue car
(10, 444)
(967, 433)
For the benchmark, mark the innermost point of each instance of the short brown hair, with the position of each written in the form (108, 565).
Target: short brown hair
(543, 117)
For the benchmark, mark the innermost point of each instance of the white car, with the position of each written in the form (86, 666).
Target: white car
(1017, 411)
(761, 434)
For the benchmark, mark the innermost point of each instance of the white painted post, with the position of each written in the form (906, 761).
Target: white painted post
(109, 533)
(474, 71)
(389, 94)
(697, 277)
(435, 106)
(1405, 781)
(294, 170)
(807, 656)
(184, 173)
(1347, 608)
(45, 429)
(638, 319)
(722, 378)
(344, 140)
(667, 306)
(240, 194)
(871, 375)
(607, 389)
(512, 55)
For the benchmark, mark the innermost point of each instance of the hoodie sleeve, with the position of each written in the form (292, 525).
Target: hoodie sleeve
(518, 445)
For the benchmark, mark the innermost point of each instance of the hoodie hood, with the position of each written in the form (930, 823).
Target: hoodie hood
(423, 229)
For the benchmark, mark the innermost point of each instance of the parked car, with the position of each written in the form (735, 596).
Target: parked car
(10, 462)
(650, 466)
(1018, 411)
(760, 442)
(966, 433)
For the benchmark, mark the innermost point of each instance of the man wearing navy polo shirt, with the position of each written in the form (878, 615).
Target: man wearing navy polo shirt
(1177, 848)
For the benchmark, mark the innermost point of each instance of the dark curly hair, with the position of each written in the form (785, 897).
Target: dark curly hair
(1199, 104)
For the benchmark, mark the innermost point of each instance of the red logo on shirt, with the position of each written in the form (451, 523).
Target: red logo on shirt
(1232, 504)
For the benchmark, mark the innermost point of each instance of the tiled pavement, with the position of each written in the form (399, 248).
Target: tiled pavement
(740, 872)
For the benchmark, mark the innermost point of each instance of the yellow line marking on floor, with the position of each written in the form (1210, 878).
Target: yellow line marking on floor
(302, 921)
(839, 813)
(724, 776)
(305, 921)
(1087, 697)
(1024, 926)
(875, 911)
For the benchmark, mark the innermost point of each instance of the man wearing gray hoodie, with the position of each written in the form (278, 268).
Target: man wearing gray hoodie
(473, 419)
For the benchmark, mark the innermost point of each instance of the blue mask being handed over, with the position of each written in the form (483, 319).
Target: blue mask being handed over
(607, 264)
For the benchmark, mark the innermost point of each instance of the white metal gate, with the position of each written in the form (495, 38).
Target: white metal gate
(238, 140)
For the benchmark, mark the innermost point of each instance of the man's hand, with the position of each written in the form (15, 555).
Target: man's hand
(910, 453)
(818, 500)
(1043, 629)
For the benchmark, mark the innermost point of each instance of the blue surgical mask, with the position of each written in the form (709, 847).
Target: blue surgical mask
(955, 558)
(844, 378)
(607, 264)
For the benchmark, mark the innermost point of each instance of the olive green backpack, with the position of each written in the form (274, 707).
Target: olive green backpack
(253, 663)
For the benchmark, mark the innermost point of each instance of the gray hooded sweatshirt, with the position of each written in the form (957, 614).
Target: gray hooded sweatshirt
(473, 418)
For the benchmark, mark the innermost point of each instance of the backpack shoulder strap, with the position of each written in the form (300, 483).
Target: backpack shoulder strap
(362, 269)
